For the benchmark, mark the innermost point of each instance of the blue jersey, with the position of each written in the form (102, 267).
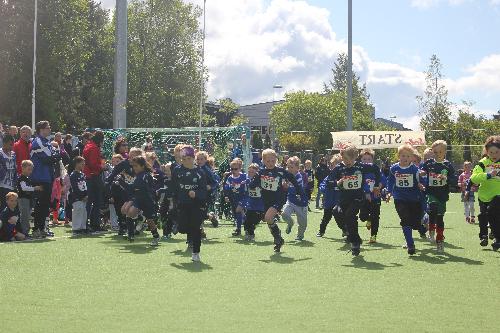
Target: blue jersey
(143, 194)
(235, 188)
(185, 180)
(403, 183)
(331, 193)
(78, 186)
(439, 187)
(254, 200)
(294, 195)
(370, 184)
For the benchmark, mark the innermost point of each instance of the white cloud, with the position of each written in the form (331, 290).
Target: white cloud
(424, 4)
(254, 44)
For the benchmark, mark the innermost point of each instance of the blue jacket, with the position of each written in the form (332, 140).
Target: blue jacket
(331, 192)
(297, 196)
(43, 157)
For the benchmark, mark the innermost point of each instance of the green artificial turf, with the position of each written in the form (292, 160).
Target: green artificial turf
(105, 284)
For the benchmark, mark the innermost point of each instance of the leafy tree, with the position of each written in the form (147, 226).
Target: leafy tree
(257, 141)
(295, 142)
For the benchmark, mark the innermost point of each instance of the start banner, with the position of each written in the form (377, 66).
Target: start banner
(377, 139)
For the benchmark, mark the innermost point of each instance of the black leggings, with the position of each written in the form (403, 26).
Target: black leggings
(190, 217)
(253, 218)
(489, 214)
(370, 211)
(409, 213)
(42, 206)
(328, 213)
(350, 217)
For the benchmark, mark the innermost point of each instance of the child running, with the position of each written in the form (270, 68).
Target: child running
(255, 205)
(270, 179)
(142, 199)
(467, 195)
(403, 184)
(190, 190)
(487, 175)
(235, 192)
(310, 181)
(350, 176)
(296, 203)
(440, 174)
(330, 191)
(370, 210)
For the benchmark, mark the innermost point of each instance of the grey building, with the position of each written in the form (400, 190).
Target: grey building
(258, 115)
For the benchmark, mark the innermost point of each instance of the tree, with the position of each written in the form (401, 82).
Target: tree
(433, 104)
(318, 115)
(164, 63)
(295, 142)
(338, 83)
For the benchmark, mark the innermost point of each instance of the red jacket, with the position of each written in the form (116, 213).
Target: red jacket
(93, 159)
(22, 150)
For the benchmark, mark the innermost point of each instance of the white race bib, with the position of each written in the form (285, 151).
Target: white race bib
(269, 183)
(310, 179)
(434, 181)
(82, 186)
(404, 180)
(353, 182)
(254, 193)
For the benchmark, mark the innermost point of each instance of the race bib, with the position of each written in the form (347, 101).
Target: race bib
(236, 187)
(269, 183)
(404, 180)
(254, 193)
(353, 182)
(82, 186)
(434, 181)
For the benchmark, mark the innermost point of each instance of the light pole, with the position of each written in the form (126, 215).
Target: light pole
(120, 84)
(349, 67)
(202, 78)
(33, 94)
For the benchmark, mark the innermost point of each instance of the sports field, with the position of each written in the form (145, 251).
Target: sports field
(104, 284)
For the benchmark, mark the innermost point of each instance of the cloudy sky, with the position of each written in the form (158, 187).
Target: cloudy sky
(254, 44)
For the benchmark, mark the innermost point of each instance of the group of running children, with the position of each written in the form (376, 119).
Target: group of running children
(183, 192)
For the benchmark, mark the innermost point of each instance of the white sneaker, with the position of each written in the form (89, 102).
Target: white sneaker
(440, 247)
(196, 257)
(155, 241)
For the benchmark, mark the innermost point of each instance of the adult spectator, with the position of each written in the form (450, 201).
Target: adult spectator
(321, 172)
(22, 147)
(121, 147)
(44, 159)
(95, 186)
(78, 150)
(8, 174)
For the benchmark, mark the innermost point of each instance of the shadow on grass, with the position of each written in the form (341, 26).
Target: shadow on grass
(381, 246)
(360, 263)
(211, 241)
(254, 243)
(182, 253)
(278, 258)
(139, 246)
(442, 258)
(303, 243)
(193, 267)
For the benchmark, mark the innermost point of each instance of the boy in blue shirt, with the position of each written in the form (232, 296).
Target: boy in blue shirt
(370, 210)
(403, 184)
(295, 203)
(330, 191)
(235, 192)
(254, 205)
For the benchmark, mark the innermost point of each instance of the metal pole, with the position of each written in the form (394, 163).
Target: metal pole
(349, 69)
(33, 95)
(120, 85)
(202, 78)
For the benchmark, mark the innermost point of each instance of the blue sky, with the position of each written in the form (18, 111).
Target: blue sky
(254, 44)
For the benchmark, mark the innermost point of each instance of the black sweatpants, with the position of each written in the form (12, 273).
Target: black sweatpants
(328, 213)
(252, 219)
(190, 217)
(42, 205)
(167, 217)
(409, 213)
(350, 212)
(370, 211)
(489, 214)
(119, 196)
